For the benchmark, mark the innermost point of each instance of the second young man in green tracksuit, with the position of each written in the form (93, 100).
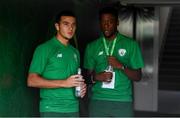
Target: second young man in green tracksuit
(113, 60)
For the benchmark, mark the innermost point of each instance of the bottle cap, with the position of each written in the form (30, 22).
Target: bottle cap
(79, 71)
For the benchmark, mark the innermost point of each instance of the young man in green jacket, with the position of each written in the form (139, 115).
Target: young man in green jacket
(113, 60)
(54, 70)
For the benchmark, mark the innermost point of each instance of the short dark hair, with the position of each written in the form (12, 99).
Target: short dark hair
(64, 13)
(108, 10)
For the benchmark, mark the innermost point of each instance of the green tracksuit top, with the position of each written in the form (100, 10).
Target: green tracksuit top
(54, 61)
(127, 51)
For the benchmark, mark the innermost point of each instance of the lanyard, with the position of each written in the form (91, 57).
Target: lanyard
(107, 48)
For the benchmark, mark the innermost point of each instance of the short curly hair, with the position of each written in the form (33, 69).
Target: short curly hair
(108, 10)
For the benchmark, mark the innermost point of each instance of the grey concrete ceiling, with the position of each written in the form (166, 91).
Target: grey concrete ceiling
(156, 2)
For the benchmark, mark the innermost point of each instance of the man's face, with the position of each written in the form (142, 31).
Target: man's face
(108, 24)
(66, 27)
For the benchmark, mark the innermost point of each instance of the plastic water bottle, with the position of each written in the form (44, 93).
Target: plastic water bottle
(78, 88)
(109, 69)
